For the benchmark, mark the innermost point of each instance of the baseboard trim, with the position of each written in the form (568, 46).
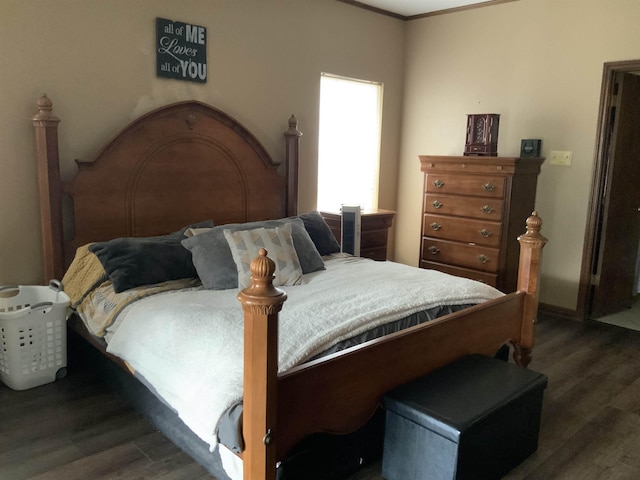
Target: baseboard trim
(558, 312)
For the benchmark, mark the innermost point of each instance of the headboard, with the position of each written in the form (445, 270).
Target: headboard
(178, 164)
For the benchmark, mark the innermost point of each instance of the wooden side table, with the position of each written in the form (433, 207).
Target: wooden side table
(374, 231)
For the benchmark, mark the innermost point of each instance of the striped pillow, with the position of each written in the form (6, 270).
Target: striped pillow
(245, 245)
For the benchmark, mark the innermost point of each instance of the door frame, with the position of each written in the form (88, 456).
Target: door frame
(596, 199)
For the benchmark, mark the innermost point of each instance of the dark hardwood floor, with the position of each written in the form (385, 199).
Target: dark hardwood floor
(77, 428)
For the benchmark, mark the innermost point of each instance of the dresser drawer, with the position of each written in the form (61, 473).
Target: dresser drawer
(476, 257)
(487, 208)
(478, 185)
(488, 278)
(480, 232)
(377, 222)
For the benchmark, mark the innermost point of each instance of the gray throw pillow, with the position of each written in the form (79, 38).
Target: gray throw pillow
(136, 261)
(320, 233)
(215, 265)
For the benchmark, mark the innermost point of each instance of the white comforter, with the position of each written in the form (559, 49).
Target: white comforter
(189, 345)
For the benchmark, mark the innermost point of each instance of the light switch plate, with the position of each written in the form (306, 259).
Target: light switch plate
(562, 158)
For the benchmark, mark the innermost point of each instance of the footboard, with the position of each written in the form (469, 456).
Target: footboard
(340, 392)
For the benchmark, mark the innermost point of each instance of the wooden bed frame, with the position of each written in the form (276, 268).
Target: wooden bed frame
(187, 162)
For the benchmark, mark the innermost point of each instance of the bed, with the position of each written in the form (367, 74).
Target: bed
(180, 164)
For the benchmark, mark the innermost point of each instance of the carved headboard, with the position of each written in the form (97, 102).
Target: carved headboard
(179, 164)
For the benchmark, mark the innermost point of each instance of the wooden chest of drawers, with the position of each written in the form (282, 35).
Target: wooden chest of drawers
(474, 208)
(374, 229)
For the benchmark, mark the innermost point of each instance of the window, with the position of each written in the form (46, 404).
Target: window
(349, 143)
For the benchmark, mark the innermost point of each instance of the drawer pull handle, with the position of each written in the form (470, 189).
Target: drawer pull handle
(483, 258)
(437, 204)
(485, 233)
(489, 187)
(433, 250)
(438, 183)
(436, 226)
(268, 437)
(487, 209)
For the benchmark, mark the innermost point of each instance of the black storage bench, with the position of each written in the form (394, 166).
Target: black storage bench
(476, 418)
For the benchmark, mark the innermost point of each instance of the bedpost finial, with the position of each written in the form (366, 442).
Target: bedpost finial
(45, 103)
(45, 108)
(534, 222)
(293, 127)
(532, 235)
(262, 266)
(262, 298)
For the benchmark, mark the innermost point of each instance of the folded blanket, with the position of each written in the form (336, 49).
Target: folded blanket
(95, 300)
(102, 305)
(84, 274)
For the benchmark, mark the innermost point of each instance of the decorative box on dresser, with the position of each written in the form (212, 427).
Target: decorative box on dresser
(374, 231)
(473, 210)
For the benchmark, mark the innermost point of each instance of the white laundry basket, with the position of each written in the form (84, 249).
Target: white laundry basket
(33, 336)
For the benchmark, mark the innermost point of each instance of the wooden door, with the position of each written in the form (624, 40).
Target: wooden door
(620, 218)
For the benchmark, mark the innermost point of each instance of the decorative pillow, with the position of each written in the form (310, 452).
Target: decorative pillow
(245, 245)
(135, 261)
(320, 233)
(215, 265)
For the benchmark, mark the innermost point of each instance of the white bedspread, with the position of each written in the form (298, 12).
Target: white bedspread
(189, 345)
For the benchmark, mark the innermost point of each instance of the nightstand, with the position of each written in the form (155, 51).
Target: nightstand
(374, 230)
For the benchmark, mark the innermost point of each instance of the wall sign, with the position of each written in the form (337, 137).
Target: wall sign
(181, 51)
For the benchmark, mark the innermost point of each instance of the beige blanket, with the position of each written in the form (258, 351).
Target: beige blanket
(93, 297)
(189, 345)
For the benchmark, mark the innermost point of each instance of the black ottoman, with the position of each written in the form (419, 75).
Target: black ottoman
(477, 418)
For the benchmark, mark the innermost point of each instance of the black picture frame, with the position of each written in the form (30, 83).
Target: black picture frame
(181, 51)
(530, 147)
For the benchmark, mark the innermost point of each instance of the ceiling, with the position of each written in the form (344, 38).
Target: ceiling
(413, 8)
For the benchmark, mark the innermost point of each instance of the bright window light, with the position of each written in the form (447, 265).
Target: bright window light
(349, 143)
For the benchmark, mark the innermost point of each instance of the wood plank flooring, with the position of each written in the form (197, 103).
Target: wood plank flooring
(77, 428)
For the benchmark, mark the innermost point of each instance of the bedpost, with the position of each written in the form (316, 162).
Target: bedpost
(531, 244)
(261, 303)
(50, 188)
(292, 136)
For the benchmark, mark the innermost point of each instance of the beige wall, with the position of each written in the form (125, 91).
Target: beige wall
(96, 61)
(536, 62)
(539, 64)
